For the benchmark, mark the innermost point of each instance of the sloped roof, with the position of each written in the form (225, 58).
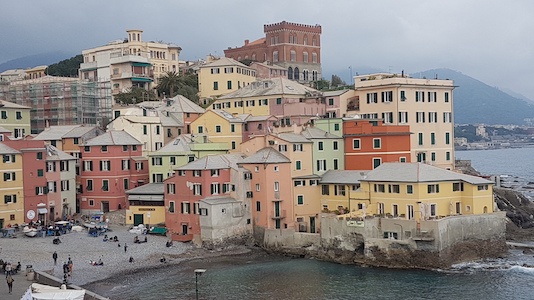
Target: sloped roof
(79, 131)
(343, 176)
(228, 116)
(225, 61)
(212, 162)
(55, 132)
(334, 93)
(7, 104)
(316, 133)
(155, 188)
(111, 138)
(256, 42)
(292, 137)
(273, 86)
(3, 130)
(418, 172)
(179, 144)
(214, 200)
(274, 67)
(4, 149)
(53, 153)
(266, 155)
(182, 104)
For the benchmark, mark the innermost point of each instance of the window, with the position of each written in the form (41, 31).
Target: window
(247, 176)
(52, 186)
(126, 183)
(482, 187)
(200, 129)
(420, 117)
(228, 70)
(300, 200)
(215, 71)
(125, 164)
(320, 146)
(278, 100)
(419, 96)
(139, 166)
(104, 148)
(10, 199)
(381, 208)
(186, 208)
(197, 189)
(387, 96)
(403, 117)
(379, 188)
(275, 56)
(257, 187)
(276, 168)
(432, 138)
(39, 155)
(446, 96)
(134, 147)
(433, 188)
(394, 188)
(65, 185)
(447, 155)
(276, 186)
(282, 148)
(356, 144)
(299, 183)
(331, 101)
(9, 176)
(89, 186)
(197, 173)
(297, 147)
(171, 206)
(215, 188)
(395, 210)
(402, 96)
(293, 55)
(387, 117)
(339, 190)
(50, 166)
(215, 85)
(457, 186)
(145, 129)
(314, 182)
(40, 173)
(420, 139)
(19, 115)
(298, 165)
(105, 185)
(432, 117)
(229, 84)
(336, 127)
(325, 190)
(376, 143)
(232, 127)
(258, 206)
(433, 208)
(335, 145)
(4, 114)
(172, 160)
(376, 162)
(314, 57)
(372, 98)
(432, 96)
(321, 165)
(409, 189)
(105, 165)
(157, 177)
(215, 173)
(433, 156)
(336, 166)
(447, 138)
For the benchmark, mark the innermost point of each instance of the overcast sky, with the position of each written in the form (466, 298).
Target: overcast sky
(487, 39)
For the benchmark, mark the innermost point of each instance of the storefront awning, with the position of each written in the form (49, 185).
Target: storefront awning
(141, 79)
(42, 211)
(137, 64)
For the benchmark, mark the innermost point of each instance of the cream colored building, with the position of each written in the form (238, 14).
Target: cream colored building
(130, 62)
(222, 76)
(426, 105)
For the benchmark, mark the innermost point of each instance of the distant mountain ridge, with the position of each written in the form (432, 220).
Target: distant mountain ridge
(477, 102)
(35, 60)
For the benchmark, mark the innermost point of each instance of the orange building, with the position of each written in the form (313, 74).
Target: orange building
(369, 143)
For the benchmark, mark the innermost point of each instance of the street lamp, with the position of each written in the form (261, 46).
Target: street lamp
(198, 272)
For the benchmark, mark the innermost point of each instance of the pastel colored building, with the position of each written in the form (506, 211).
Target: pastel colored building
(210, 176)
(270, 177)
(291, 102)
(267, 70)
(328, 150)
(257, 125)
(129, 62)
(417, 191)
(181, 151)
(156, 123)
(15, 118)
(61, 183)
(341, 192)
(111, 165)
(68, 137)
(294, 47)
(11, 187)
(306, 202)
(222, 76)
(337, 102)
(221, 127)
(146, 205)
(426, 105)
(36, 72)
(369, 143)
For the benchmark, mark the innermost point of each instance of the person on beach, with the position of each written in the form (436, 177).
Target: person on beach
(131, 259)
(10, 280)
(136, 239)
(125, 247)
(70, 266)
(9, 269)
(65, 268)
(54, 256)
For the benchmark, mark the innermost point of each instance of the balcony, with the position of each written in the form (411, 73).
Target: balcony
(134, 76)
(128, 58)
(279, 215)
(88, 66)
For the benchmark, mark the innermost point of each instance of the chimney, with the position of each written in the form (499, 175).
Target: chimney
(246, 42)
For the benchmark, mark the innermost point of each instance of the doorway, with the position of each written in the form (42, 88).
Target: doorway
(105, 206)
(184, 229)
(312, 224)
(138, 219)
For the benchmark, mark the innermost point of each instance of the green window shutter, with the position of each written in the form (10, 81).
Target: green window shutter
(14, 177)
(6, 199)
(36, 190)
(14, 198)
(13, 158)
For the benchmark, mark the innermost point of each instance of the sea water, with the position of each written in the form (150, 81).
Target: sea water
(261, 276)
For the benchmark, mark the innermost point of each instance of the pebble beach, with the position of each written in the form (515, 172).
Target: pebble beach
(83, 248)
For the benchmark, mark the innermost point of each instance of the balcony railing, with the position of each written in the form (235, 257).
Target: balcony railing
(280, 215)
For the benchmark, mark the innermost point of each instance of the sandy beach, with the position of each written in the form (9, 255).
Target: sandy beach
(82, 248)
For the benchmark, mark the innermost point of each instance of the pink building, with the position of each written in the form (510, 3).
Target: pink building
(209, 176)
(34, 180)
(270, 175)
(111, 164)
(258, 125)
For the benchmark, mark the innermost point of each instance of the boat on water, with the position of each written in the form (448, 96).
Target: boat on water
(30, 231)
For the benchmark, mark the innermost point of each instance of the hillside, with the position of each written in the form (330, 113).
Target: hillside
(34, 60)
(477, 102)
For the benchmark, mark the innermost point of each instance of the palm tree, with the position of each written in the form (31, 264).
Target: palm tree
(169, 83)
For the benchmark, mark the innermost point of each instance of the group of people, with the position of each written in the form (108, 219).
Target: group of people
(168, 244)
(137, 241)
(67, 269)
(9, 270)
(110, 239)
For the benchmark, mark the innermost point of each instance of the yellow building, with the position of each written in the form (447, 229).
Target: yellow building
(307, 203)
(130, 62)
(11, 187)
(221, 127)
(36, 72)
(222, 76)
(424, 104)
(15, 118)
(341, 192)
(146, 205)
(420, 191)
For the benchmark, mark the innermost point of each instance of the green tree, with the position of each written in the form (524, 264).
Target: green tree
(135, 95)
(173, 84)
(336, 81)
(321, 84)
(66, 68)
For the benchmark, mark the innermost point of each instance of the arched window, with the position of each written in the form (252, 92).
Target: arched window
(314, 58)
(314, 75)
(275, 56)
(305, 56)
(296, 74)
(290, 73)
(305, 75)
(253, 56)
(293, 55)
